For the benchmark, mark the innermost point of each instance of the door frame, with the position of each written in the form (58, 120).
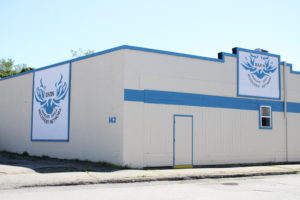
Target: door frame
(174, 141)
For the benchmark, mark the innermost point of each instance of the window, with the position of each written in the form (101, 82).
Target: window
(265, 114)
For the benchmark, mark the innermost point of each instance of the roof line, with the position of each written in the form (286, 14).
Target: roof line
(292, 71)
(65, 62)
(221, 57)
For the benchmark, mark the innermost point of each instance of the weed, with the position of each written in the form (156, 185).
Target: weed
(88, 162)
(86, 170)
(44, 156)
(143, 176)
(25, 153)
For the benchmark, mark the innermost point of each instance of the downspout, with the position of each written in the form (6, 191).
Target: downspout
(285, 110)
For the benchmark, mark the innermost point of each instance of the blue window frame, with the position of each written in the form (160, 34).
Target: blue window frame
(265, 117)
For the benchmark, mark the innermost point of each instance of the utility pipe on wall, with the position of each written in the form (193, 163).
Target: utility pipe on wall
(285, 110)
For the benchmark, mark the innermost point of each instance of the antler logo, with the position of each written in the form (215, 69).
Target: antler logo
(50, 100)
(260, 69)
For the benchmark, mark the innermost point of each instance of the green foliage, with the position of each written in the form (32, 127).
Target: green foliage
(8, 68)
(19, 67)
(6, 65)
(26, 69)
(25, 153)
(7, 73)
(81, 52)
(45, 157)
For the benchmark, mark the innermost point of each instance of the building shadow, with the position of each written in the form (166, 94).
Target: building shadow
(45, 164)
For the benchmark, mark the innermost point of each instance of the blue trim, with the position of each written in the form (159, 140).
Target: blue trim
(221, 57)
(291, 68)
(260, 117)
(16, 75)
(189, 99)
(46, 140)
(177, 54)
(293, 107)
(237, 51)
(67, 61)
(260, 97)
(69, 105)
(134, 95)
(174, 138)
(52, 140)
(125, 47)
(237, 72)
(33, 76)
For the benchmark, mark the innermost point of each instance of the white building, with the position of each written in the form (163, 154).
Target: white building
(144, 107)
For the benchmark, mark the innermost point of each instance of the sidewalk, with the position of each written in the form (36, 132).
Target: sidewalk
(18, 173)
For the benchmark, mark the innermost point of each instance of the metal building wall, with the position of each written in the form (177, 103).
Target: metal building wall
(293, 119)
(96, 95)
(221, 135)
(15, 117)
(143, 134)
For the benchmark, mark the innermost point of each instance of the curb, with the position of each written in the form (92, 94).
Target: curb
(152, 179)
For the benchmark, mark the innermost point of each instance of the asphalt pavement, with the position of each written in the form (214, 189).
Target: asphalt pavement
(285, 187)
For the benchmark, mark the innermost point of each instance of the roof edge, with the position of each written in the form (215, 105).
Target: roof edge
(220, 58)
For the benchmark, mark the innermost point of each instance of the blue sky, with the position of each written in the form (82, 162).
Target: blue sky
(42, 32)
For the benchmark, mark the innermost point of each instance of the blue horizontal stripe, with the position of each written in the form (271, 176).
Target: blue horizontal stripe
(188, 99)
(293, 107)
(134, 95)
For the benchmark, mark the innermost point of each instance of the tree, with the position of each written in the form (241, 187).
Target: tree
(81, 52)
(6, 65)
(8, 68)
(25, 69)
